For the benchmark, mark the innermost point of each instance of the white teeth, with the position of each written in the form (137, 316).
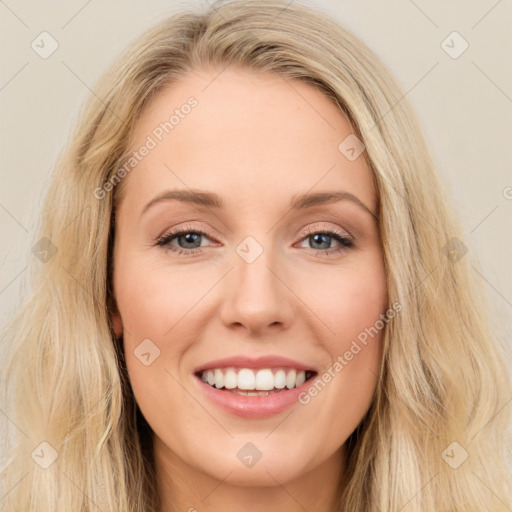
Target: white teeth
(301, 378)
(264, 380)
(291, 378)
(230, 379)
(219, 379)
(246, 379)
(250, 382)
(258, 393)
(280, 379)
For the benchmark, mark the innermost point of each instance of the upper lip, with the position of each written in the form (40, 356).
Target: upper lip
(270, 361)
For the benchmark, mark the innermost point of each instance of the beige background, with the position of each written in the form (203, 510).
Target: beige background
(465, 105)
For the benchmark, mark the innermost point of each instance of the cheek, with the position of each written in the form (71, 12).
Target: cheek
(155, 308)
(349, 299)
(153, 304)
(351, 304)
(152, 299)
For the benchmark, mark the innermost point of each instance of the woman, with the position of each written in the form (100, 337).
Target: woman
(188, 345)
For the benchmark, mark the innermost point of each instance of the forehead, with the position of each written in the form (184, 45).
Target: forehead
(246, 135)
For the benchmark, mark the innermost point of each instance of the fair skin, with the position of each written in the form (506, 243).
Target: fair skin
(257, 143)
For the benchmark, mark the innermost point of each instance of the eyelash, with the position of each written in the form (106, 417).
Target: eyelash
(344, 240)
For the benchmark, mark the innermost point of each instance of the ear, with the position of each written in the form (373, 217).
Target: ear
(118, 326)
(115, 317)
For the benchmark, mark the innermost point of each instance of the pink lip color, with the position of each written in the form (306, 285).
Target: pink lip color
(252, 406)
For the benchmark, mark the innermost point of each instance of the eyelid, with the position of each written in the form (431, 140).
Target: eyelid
(174, 232)
(309, 230)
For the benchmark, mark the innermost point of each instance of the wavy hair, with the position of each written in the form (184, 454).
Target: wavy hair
(442, 386)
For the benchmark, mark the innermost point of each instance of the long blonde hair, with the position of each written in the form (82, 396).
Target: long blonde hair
(435, 435)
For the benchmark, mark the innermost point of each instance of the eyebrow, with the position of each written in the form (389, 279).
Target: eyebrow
(212, 200)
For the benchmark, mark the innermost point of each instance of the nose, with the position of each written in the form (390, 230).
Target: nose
(257, 296)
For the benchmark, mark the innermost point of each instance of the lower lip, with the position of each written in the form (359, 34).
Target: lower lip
(252, 406)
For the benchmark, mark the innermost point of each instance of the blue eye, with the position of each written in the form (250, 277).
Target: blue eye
(188, 241)
(326, 237)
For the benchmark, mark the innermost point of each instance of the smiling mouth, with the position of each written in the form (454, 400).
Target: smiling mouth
(252, 382)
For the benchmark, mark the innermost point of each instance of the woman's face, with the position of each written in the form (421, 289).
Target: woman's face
(257, 272)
